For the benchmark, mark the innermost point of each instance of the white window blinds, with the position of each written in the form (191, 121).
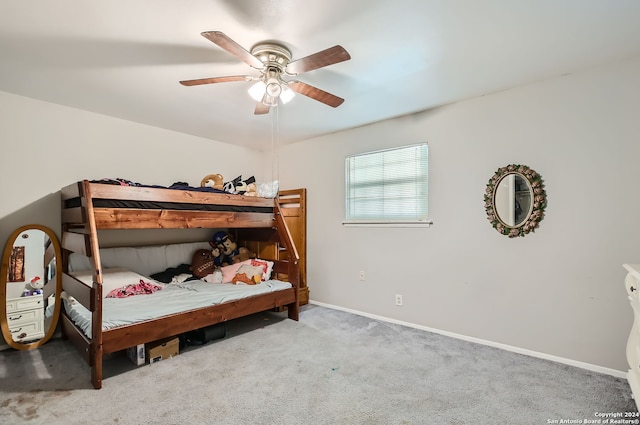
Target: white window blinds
(388, 186)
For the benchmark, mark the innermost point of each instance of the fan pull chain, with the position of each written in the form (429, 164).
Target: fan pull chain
(275, 166)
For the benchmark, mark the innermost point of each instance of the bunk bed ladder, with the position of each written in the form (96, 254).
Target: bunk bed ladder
(285, 241)
(293, 207)
(293, 261)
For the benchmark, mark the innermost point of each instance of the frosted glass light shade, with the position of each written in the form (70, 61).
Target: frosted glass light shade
(270, 100)
(287, 94)
(273, 87)
(257, 91)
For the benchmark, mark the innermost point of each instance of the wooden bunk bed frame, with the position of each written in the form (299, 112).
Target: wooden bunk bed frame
(82, 220)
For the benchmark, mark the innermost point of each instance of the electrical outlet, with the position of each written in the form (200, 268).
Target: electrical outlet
(399, 300)
(361, 274)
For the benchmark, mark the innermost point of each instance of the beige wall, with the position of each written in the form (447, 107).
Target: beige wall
(559, 291)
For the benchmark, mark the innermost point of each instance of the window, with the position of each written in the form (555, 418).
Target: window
(388, 186)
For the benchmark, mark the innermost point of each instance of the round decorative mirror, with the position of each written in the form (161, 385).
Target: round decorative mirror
(515, 200)
(30, 287)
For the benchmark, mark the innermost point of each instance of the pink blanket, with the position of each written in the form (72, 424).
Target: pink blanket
(140, 288)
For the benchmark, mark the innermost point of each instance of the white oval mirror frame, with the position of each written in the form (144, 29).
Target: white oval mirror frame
(57, 279)
(515, 200)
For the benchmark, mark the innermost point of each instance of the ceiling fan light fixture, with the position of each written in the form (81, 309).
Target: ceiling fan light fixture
(287, 94)
(268, 90)
(257, 91)
(273, 87)
(270, 100)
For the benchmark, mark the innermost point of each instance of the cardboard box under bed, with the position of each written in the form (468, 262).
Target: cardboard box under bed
(155, 351)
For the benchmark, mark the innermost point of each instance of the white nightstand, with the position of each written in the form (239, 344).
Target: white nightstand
(25, 317)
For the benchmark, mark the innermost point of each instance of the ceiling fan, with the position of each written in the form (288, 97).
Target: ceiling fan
(274, 61)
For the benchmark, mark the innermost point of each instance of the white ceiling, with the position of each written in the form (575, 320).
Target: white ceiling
(124, 58)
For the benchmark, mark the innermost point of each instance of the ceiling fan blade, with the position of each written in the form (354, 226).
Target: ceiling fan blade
(234, 48)
(317, 60)
(316, 94)
(261, 109)
(215, 80)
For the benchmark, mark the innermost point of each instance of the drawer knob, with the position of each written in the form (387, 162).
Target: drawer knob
(15, 318)
(631, 288)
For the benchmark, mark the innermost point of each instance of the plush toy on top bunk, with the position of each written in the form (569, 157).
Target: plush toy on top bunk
(215, 181)
(252, 190)
(239, 186)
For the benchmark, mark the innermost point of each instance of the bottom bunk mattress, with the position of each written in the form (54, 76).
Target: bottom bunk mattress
(172, 298)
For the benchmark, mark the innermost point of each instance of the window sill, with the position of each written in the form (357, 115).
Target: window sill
(427, 223)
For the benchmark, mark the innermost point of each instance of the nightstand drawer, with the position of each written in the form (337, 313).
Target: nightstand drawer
(24, 303)
(26, 331)
(20, 317)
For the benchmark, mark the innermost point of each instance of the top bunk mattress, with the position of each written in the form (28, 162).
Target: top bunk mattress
(163, 205)
(153, 207)
(174, 197)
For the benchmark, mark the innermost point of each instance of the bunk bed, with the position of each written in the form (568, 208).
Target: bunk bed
(89, 207)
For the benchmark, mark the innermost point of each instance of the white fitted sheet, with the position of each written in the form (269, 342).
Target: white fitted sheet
(174, 298)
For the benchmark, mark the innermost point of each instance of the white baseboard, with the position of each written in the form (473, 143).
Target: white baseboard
(570, 362)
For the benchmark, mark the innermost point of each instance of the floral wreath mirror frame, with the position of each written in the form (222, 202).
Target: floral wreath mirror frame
(538, 198)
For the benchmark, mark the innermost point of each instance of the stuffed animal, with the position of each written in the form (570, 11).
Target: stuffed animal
(230, 186)
(248, 274)
(34, 287)
(252, 190)
(242, 187)
(36, 283)
(202, 263)
(215, 181)
(243, 255)
(228, 248)
(218, 258)
(238, 186)
(226, 251)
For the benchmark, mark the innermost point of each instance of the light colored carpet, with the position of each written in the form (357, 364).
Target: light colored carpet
(331, 367)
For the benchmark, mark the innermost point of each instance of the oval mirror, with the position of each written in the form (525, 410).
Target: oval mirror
(515, 200)
(30, 287)
(512, 199)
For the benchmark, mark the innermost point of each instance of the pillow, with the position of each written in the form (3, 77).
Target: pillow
(267, 267)
(113, 278)
(248, 274)
(228, 272)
